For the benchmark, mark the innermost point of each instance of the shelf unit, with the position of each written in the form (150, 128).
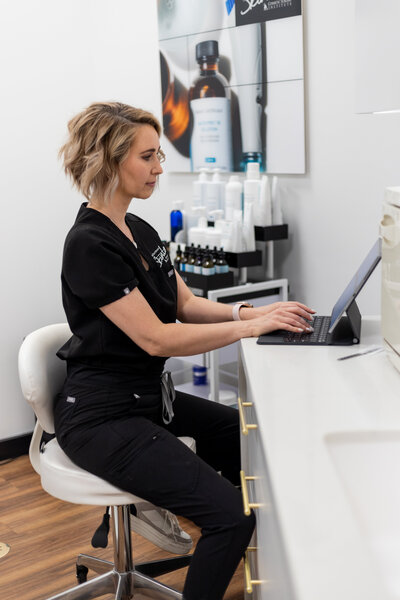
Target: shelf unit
(223, 375)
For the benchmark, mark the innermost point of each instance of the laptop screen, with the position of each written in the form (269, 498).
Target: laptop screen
(356, 284)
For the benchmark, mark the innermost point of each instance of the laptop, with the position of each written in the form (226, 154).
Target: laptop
(339, 329)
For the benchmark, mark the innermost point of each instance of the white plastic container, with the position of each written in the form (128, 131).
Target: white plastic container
(193, 215)
(251, 191)
(197, 235)
(263, 207)
(215, 193)
(252, 170)
(238, 243)
(233, 196)
(251, 187)
(213, 237)
(225, 228)
(277, 216)
(248, 227)
(199, 189)
(217, 215)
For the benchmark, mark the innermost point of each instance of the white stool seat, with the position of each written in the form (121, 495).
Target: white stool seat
(65, 480)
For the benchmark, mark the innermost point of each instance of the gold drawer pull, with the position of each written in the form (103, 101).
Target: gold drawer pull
(247, 574)
(247, 506)
(243, 424)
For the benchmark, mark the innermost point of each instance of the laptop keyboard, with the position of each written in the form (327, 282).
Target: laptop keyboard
(318, 336)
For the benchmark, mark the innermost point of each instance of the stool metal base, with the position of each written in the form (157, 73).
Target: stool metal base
(124, 586)
(121, 578)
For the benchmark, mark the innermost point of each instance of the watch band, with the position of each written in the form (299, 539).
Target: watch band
(236, 308)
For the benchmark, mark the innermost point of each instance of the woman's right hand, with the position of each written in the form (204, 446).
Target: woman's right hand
(284, 316)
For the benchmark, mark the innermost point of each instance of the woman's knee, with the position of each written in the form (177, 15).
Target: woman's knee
(234, 519)
(246, 523)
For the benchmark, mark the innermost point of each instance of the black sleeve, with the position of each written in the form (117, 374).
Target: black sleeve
(94, 268)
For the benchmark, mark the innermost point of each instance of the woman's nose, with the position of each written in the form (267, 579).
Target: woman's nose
(157, 169)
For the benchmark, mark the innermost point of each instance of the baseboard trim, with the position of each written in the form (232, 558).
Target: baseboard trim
(15, 446)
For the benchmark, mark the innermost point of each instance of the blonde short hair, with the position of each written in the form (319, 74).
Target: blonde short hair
(100, 138)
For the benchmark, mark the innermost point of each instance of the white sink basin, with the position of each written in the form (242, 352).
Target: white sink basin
(368, 465)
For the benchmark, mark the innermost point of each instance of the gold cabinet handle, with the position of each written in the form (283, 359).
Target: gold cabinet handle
(249, 582)
(247, 506)
(244, 426)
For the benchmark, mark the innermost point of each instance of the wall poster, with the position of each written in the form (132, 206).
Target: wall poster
(232, 82)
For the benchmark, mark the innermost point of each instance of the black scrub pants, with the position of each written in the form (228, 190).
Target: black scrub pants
(120, 437)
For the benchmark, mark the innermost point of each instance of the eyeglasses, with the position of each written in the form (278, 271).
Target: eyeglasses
(161, 156)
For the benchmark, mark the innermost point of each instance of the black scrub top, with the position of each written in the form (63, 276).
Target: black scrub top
(101, 265)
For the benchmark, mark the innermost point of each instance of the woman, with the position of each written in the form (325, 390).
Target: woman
(122, 299)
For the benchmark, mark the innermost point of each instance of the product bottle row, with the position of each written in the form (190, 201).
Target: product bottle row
(201, 261)
(233, 209)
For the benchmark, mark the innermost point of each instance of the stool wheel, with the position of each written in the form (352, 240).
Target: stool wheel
(81, 573)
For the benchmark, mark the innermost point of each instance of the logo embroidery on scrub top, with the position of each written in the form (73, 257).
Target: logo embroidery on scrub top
(160, 255)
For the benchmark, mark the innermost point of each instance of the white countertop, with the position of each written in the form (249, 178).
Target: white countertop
(301, 395)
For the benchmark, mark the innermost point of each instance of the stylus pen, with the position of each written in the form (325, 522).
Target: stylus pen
(361, 352)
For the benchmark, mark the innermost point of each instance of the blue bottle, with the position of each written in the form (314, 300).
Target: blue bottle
(176, 220)
(199, 375)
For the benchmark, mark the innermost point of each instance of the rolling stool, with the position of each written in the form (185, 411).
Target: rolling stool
(42, 375)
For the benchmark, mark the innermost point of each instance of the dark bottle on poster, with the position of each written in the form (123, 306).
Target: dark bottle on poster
(177, 119)
(211, 140)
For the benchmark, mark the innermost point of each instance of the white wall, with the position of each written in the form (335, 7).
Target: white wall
(57, 57)
(62, 56)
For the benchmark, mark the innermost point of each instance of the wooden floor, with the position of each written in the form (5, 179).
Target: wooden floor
(46, 535)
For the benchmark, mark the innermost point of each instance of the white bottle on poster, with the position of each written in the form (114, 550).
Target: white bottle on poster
(211, 141)
(246, 43)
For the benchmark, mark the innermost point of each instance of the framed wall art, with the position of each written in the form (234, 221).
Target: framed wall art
(232, 82)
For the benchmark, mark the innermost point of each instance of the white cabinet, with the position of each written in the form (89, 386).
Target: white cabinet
(323, 512)
(267, 564)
